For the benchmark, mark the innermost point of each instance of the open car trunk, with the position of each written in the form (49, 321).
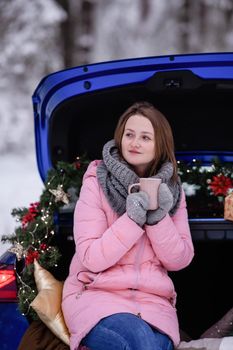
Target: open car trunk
(76, 111)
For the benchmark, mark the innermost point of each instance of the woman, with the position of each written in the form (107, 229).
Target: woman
(118, 294)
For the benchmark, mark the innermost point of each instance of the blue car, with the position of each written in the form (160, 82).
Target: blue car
(75, 113)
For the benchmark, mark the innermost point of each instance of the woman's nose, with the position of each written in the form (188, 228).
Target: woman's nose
(135, 142)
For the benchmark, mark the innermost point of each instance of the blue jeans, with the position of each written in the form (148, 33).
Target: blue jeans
(125, 331)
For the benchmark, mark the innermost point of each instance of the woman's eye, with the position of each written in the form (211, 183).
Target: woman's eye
(146, 138)
(128, 134)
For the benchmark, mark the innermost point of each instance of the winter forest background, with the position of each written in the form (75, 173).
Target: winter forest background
(42, 36)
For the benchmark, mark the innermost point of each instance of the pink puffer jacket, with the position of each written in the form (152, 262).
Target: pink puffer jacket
(121, 267)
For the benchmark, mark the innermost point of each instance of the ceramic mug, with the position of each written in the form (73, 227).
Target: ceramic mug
(149, 185)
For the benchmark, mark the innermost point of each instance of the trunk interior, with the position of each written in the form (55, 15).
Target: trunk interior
(201, 118)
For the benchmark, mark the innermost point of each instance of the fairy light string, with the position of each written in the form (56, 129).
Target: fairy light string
(35, 234)
(206, 186)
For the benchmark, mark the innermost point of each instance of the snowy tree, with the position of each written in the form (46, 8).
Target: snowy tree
(134, 28)
(77, 31)
(29, 50)
(137, 28)
(206, 26)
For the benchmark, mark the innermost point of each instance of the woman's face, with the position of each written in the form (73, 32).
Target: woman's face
(138, 143)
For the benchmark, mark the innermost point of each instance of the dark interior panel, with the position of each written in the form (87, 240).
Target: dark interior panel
(201, 119)
(204, 294)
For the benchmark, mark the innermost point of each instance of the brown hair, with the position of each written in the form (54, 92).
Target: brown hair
(164, 142)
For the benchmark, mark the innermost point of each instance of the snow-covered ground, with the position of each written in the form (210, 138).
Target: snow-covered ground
(20, 185)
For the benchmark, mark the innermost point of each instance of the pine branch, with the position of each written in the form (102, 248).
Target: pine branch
(34, 237)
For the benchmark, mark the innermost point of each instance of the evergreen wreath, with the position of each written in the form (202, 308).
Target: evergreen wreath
(205, 188)
(35, 238)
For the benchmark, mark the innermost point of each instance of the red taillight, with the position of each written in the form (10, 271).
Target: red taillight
(8, 290)
(8, 283)
(6, 277)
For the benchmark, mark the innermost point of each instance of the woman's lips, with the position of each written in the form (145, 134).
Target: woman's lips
(134, 152)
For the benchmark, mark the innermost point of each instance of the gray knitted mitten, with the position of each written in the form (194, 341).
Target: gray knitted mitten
(165, 200)
(136, 206)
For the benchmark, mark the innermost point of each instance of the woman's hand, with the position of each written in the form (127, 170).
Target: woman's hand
(137, 205)
(165, 200)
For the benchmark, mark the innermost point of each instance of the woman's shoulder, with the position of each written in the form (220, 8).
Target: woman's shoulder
(90, 186)
(91, 169)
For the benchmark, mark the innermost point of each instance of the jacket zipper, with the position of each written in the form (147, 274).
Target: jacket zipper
(137, 262)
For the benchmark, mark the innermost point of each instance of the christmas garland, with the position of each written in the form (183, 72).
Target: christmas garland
(205, 188)
(35, 238)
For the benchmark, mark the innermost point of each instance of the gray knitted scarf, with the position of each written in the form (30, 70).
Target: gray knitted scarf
(114, 176)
